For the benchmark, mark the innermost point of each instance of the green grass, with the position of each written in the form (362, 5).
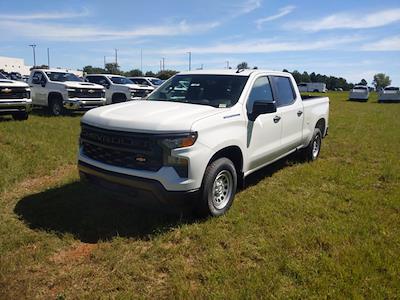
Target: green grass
(328, 229)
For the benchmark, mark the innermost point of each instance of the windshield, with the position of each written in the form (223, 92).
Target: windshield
(391, 89)
(62, 77)
(156, 81)
(120, 80)
(2, 76)
(214, 90)
(363, 88)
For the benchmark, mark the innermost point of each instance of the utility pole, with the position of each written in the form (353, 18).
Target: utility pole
(34, 54)
(190, 60)
(141, 60)
(104, 61)
(116, 57)
(48, 57)
(227, 64)
(163, 63)
(160, 65)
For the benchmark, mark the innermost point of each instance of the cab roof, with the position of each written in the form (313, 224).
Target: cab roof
(235, 72)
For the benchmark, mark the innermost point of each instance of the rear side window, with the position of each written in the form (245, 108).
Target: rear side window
(284, 90)
(260, 92)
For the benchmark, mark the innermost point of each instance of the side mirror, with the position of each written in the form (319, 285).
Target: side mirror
(261, 108)
(106, 85)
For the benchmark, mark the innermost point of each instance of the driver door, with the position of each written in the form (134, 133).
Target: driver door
(263, 134)
(38, 89)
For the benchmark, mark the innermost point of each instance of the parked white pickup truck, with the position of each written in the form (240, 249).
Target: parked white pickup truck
(359, 92)
(201, 141)
(59, 91)
(119, 88)
(15, 98)
(149, 81)
(317, 87)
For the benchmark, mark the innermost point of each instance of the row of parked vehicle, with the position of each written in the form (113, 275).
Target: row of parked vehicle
(60, 91)
(388, 94)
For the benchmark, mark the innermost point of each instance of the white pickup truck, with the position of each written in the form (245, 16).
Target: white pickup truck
(15, 98)
(119, 88)
(60, 90)
(200, 142)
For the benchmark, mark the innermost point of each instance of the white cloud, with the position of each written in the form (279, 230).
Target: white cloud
(46, 15)
(282, 12)
(246, 7)
(60, 32)
(351, 21)
(267, 46)
(386, 44)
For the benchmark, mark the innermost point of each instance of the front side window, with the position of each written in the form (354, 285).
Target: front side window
(260, 92)
(120, 80)
(284, 90)
(156, 81)
(213, 90)
(38, 78)
(62, 76)
(2, 76)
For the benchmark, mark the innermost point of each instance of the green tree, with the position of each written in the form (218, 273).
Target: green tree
(166, 74)
(243, 65)
(93, 70)
(150, 74)
(381, 81)
(113, 68)
(133, 73)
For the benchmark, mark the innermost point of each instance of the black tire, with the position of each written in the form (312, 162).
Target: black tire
(56, 107)
(220, 172)
(312, 151)
(118, 98)
(316, 91)
(21, 116)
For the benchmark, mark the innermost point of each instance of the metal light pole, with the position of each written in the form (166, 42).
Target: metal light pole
(104, 61)
(190, 60)
(48, 58)
(116, 57)
(227, 64)
(163, 63)
(34, 54)
(141, 60)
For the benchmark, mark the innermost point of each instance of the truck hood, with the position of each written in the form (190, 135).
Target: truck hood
(82, 85)
(12, 83)
(149, 116)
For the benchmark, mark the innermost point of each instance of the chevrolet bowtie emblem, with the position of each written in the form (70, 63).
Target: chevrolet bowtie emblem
(6, 90)
(91, 91)
(140, 159)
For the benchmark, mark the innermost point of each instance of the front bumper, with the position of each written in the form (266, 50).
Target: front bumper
(138, 189)
(15, 106)
(83, 104)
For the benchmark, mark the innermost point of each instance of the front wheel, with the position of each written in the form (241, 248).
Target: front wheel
(56, 107)
(219, 188)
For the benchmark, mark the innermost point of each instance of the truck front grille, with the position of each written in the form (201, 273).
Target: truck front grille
(13, 93)
(141, 93)
(86, 93)
(123, 149)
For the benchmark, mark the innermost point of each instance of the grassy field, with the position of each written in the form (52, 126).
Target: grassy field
(328, 229)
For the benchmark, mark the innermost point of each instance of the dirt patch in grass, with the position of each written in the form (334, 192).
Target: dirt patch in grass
(77, 252)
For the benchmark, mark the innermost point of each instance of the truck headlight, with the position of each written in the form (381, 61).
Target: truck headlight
(183, 141)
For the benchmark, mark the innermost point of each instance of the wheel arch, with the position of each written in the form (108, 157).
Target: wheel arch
(54, 96)
(321, 124)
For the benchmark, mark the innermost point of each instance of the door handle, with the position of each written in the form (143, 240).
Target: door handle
(276, 119)
(299, 113)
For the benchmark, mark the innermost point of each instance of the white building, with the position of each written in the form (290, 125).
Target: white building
(12, 64)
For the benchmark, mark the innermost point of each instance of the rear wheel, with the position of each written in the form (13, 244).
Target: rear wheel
(21, 116)
(311, 152)
(219, 188)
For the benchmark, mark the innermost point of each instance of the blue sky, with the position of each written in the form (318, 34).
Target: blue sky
(352, 39)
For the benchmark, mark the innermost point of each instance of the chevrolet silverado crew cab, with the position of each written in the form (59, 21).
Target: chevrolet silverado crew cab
(59, 90)
(15, 98)
(119, 88)
(202, 141)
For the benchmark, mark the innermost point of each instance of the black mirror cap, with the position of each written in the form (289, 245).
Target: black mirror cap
(261, 108)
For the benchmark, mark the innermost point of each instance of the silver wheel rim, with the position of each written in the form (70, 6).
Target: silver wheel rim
(316, 146)
(56, 108)
(222, 189)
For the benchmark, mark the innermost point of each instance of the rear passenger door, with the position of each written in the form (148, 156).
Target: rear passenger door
(290, 108)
